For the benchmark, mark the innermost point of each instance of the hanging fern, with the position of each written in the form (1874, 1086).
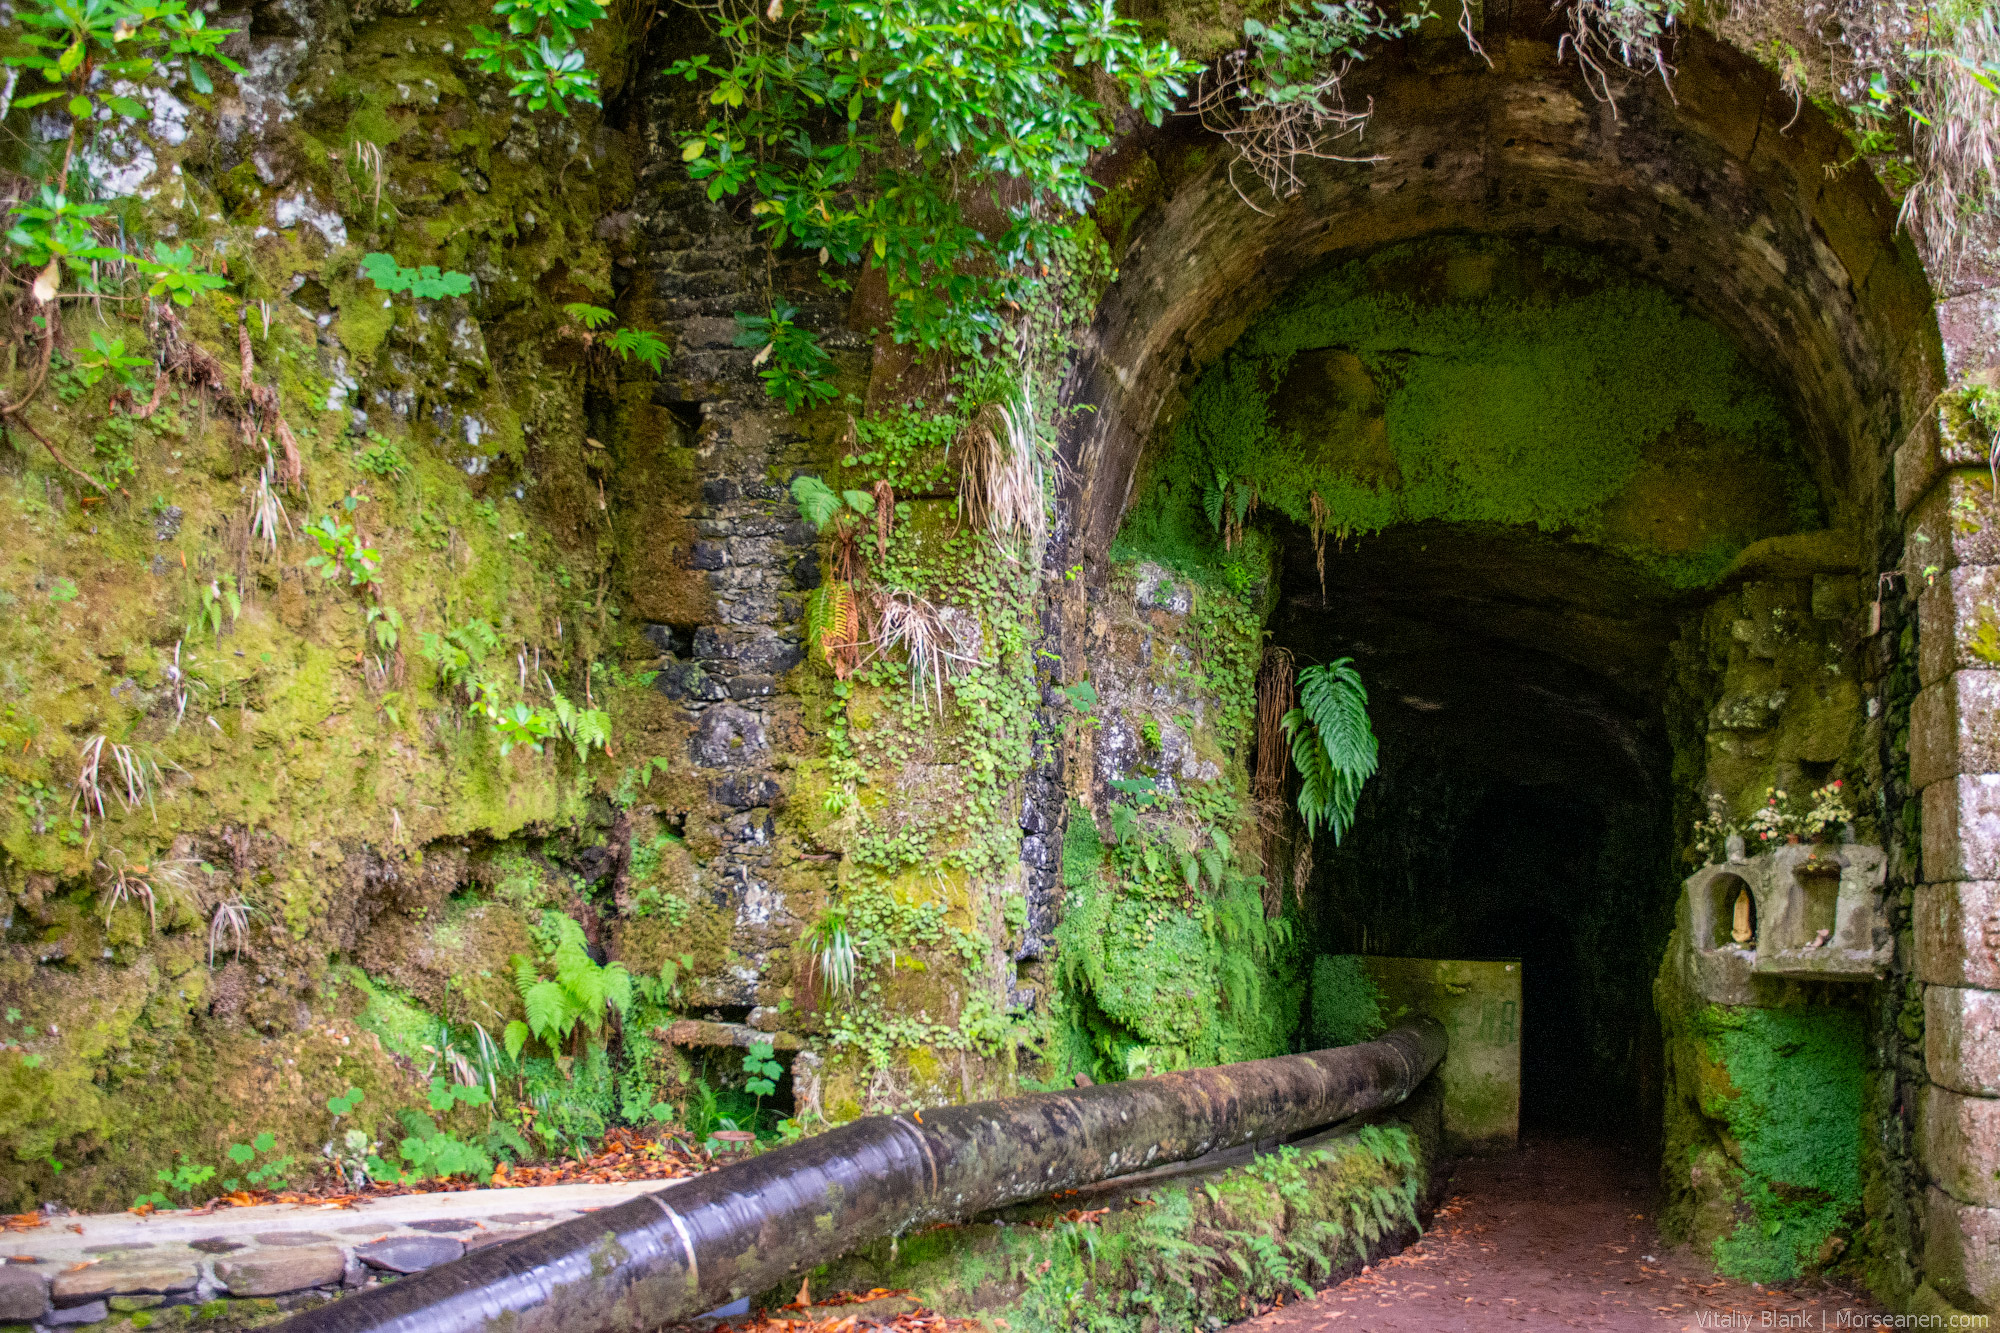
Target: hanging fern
(1213, 496)
(818, 502)
(833, 624)
(1332, 744)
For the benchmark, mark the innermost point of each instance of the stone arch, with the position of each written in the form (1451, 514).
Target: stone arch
(1744, 207)
(1721, 191)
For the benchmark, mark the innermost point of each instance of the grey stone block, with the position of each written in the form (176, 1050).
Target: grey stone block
(1953, 525)
(1961, 828)
(24, 1293)
(1962, 1251)
(1962, 1040)
(409, 1254)
(91, 1313)
(1961, 1145)
(1955, 727)
(161, 1276)
(274, 1272)
(1950, 614)
(1957, 928)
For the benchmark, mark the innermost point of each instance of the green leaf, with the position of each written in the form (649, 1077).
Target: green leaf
(79, 107)
(240, 1153)
(514, 1037)
(1333, 745)
(550, 1012)
(816, 500)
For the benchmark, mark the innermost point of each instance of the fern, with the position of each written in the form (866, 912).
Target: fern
(833, 625)
(549, 1015)
(1212, 497)
(817, 501)
(590, 316)
(639, 345)
(1332, 744)
(581, 995)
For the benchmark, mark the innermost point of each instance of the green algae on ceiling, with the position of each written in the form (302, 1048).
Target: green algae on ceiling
(1485, 380)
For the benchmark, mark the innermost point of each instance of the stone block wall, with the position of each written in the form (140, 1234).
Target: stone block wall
(1944, 490)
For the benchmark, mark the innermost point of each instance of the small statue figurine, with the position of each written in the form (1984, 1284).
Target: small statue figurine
(1741, 932)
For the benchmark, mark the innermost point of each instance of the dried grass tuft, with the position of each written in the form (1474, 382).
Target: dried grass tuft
(231, 922)
(1277, 694)
(123, 880)
(940, 641)
(267, 511)
(131, 779)
(1955, 111)
(1002, 477)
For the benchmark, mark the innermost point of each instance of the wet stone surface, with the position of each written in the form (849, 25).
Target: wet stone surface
(409, 1254)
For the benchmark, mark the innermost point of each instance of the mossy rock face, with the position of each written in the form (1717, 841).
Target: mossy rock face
(457, 964)
(1765, 1126)
(1485, 381)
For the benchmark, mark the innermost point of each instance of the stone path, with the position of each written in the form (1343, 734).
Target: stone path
(1557, 1235)
(84, 1269)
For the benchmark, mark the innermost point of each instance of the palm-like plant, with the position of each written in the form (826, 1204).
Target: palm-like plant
(1332, 744)
(831, 958)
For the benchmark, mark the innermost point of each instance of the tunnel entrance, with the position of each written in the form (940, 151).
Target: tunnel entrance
(1523, 805)
(1510, 480)
(1574, 430)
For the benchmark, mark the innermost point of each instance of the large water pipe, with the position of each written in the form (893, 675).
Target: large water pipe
(739, 1230)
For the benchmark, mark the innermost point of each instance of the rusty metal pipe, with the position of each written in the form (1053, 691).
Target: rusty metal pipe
(741, 1229)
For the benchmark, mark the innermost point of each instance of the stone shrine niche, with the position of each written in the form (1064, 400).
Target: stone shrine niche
(1815, 913)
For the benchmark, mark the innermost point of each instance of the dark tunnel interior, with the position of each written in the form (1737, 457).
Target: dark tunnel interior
(1522, 807)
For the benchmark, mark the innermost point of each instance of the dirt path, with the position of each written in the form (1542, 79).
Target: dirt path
(1557, 1235)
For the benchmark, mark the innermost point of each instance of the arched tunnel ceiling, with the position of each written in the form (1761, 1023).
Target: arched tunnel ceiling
(1721, 193)
(1532, 659)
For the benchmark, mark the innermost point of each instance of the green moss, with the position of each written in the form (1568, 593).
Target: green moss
(403, 1027)
(1083, 848)
(1793, 1101)
(1171, 1260)
(1346, 1004)
(1479, 381)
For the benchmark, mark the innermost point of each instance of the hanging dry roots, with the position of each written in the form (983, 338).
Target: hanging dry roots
(1606, 35)
(885, 511)
(263, 402)
(1276, 696)
(1302, 866)
(186, 360)
(941, 641)
(1319, 542)
(846, 550)
(1276, 688)
(1273, 138)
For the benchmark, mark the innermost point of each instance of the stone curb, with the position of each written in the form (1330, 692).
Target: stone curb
(82, 1270)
